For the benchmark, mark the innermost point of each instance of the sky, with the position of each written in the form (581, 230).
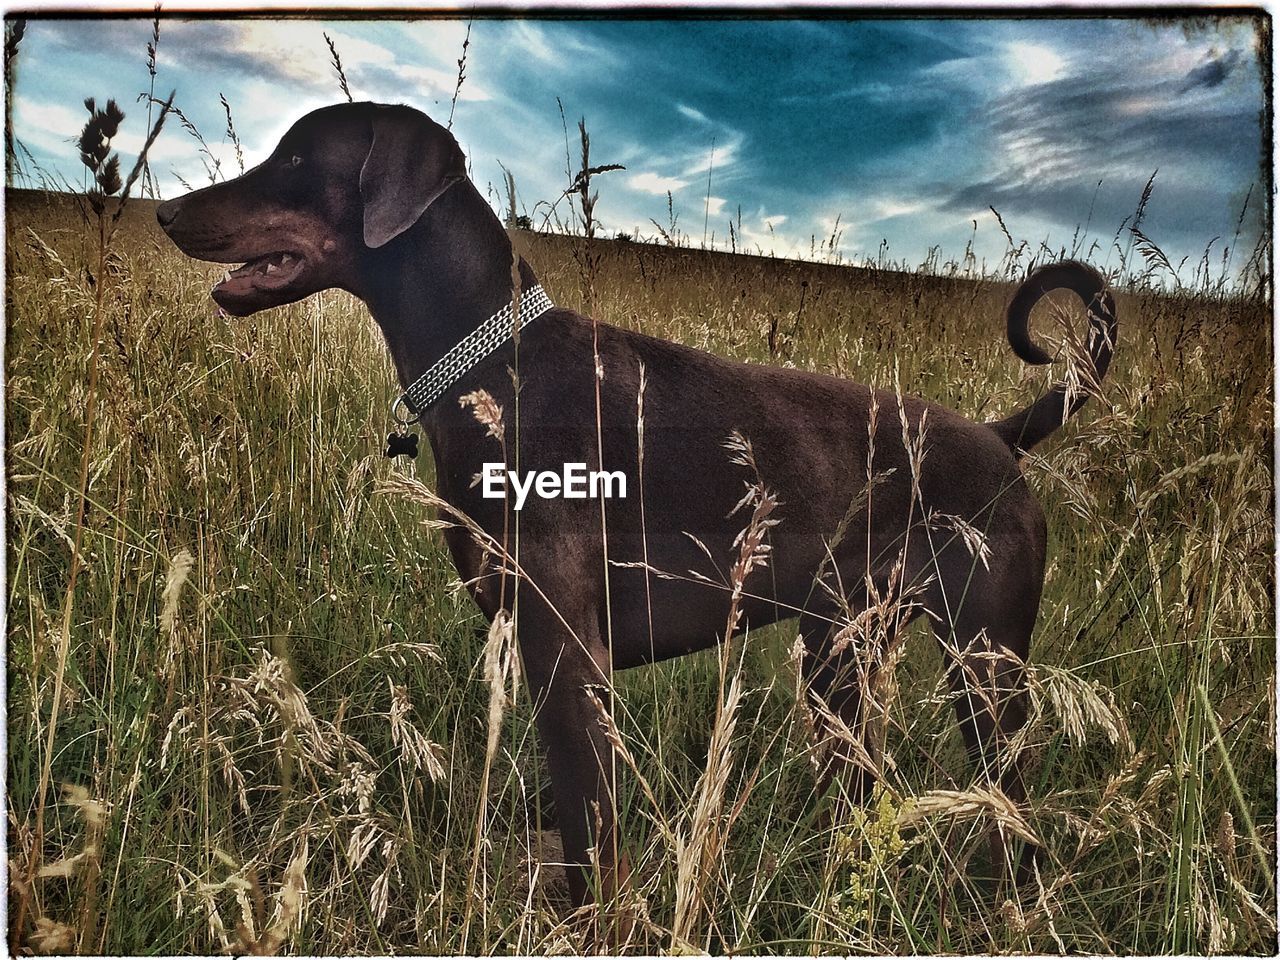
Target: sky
(906, 130)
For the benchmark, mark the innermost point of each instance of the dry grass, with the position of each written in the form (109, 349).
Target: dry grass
(280, 727)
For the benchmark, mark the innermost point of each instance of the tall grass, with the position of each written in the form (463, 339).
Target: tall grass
(276, 706)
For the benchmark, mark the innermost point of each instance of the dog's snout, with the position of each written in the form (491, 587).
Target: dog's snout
(167, 212)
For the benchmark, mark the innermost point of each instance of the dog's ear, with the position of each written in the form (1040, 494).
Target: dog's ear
(411, 162)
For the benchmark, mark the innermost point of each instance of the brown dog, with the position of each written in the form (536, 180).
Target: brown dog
(374, 199)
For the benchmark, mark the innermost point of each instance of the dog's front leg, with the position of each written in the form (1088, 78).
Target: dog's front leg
(569, 680)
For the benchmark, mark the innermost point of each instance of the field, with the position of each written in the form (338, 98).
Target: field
(263, 724)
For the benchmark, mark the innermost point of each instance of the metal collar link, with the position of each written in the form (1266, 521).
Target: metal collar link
(469, 351)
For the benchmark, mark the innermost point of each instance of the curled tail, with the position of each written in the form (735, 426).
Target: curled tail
(1030, 426)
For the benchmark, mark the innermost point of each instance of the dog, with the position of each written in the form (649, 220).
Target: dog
(374, 199)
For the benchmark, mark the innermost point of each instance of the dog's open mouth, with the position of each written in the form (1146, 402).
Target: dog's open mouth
(242, 289)
(271, 272)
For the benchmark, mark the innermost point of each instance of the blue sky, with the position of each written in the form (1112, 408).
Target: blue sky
(907, 130)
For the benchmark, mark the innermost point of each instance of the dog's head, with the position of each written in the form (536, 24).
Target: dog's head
(344, 180)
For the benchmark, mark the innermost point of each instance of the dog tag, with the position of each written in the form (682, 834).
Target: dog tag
(402, 445)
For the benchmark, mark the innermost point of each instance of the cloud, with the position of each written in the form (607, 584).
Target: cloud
(290, 53)
(1069, 129)
(49, 123)
(52, 129)
(532, 38)
(886, 208)
(294, 56)
(556, 47)
(395, 82)
(719, 158)
(656, 184)
(380, 74)
(765, 233)
(693, 114)
(1053, 142)
(1034, 63)
(441, 40)
(1213, 71)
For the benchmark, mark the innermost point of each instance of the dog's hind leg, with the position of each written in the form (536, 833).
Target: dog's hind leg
(835, 685)
(985, 644)
(842, 658)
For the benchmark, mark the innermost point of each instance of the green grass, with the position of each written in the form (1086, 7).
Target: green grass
(261, 765)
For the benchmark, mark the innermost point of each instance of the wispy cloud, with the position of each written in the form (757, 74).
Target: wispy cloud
(655, 184)
(692, 113)
(533, 39)
(559, 49)
(719, 157)
(887, 208)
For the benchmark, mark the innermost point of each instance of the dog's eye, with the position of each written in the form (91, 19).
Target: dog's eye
(296, 161)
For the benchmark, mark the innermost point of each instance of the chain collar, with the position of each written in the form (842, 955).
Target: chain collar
(464, 355)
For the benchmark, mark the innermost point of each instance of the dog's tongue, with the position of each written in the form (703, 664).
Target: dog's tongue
(266, 272)
(237, 281)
